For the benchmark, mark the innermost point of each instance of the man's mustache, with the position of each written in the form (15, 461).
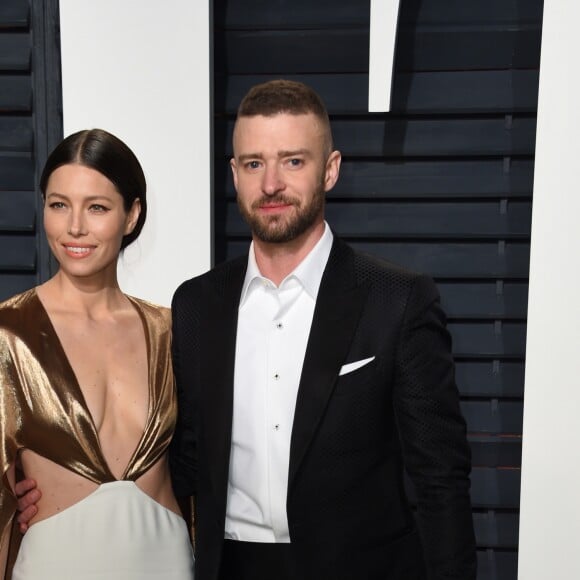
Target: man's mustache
(274, 199)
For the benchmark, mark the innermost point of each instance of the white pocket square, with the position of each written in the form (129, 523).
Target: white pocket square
(353, 366)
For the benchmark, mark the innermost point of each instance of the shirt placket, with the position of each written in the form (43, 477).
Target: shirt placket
(279, 420)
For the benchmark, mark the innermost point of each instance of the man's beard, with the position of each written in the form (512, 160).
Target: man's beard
(280, 229)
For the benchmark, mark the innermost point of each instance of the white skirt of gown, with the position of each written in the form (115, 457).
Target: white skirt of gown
(117, 532)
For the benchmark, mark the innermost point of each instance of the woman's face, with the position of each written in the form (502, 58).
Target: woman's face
(85, 221)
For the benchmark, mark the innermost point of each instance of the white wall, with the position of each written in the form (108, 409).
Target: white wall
(550, 500)
(141, 70)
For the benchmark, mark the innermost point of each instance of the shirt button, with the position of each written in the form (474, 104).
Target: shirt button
(277, 427)
(279, 325)
(276, 376)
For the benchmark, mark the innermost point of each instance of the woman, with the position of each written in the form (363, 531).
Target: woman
(87, 403)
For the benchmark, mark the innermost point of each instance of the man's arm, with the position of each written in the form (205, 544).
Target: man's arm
(182, 451)
(28, 496)
(433, 437)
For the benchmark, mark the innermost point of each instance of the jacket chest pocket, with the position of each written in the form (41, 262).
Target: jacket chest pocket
(356, 375)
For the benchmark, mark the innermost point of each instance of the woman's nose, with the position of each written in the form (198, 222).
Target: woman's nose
(76, 226)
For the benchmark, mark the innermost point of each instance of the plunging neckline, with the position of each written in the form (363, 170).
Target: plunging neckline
(81, 397)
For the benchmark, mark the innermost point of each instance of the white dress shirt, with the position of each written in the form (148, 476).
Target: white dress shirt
(273, 328)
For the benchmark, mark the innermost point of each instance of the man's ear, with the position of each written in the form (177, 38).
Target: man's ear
(332, 170)
(132, 216)
(234, 167)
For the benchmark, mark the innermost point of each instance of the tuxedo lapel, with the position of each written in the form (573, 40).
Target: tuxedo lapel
(217, 358)
(337, 312)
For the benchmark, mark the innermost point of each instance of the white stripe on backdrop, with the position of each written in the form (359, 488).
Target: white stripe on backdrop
(550, 498)
(383, 35)
(140, 69)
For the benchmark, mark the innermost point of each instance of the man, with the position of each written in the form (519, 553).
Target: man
(309, 376)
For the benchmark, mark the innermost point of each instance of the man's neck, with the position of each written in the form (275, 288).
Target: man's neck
(276, 261)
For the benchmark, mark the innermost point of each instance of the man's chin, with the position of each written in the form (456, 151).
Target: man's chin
(274, 236)
(280, 229)
(271, 230)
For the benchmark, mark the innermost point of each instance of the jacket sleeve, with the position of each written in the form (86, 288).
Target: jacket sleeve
(182, 452)
(433, 436)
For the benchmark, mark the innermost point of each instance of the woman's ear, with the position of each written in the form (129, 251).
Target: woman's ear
(132, 216)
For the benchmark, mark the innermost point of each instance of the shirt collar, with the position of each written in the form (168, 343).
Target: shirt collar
(308, 272)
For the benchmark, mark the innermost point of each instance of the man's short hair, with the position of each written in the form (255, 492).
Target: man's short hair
(284, 96)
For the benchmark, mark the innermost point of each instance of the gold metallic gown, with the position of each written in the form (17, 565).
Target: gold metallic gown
(42, 407)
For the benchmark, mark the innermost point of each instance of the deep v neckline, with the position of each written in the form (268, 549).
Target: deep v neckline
(81, 397)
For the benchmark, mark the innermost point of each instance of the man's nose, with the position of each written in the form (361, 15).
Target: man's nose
(272, 181)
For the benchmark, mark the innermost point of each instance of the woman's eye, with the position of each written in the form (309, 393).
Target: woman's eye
(56, 205)
(98, 207)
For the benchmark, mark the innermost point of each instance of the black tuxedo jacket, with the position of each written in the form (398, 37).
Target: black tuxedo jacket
(353, 435)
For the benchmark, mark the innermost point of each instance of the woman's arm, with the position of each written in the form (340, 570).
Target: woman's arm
(5, 538)
(4, 551)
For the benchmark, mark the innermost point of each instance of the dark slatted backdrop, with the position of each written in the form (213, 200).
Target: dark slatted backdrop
(442, 184)
(30, 124)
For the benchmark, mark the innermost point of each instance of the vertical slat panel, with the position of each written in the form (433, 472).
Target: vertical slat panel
(442, 184)
(30, 125)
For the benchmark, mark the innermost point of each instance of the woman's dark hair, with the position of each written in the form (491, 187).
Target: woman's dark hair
(107, 154)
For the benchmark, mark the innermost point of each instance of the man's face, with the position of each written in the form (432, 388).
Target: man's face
(281, 171)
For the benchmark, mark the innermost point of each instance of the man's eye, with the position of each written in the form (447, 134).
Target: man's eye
(295, 162)
(253, 164)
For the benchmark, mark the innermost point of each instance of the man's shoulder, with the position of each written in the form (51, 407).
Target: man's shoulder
(365, 262)
(368, 266)
(386, 277)
(215, 280)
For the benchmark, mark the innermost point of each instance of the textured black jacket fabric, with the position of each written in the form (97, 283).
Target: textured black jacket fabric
(352, 436)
